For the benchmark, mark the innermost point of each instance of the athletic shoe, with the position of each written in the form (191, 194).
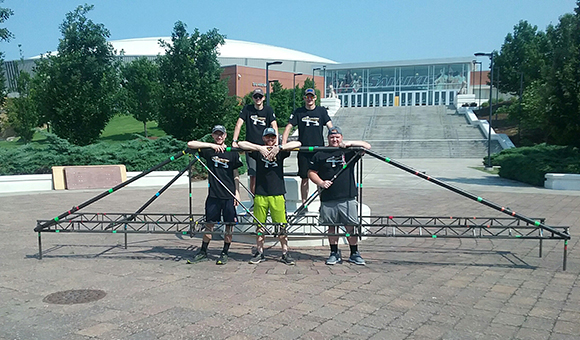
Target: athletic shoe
(200, 256)
(356, 259)
(287, 259)
(257, 258)
(223, 259)
(334, 258)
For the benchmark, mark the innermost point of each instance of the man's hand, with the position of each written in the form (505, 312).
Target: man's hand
(235, 144)
(273, 152)
(219, 148)
(325, 184)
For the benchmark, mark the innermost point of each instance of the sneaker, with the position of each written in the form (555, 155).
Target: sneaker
(356, 259)
(200, 256)
(257, 258)
(223, 259)
(334, 258)
(287, 259)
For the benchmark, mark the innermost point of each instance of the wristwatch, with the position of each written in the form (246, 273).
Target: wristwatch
(280, 146)
(235, 141)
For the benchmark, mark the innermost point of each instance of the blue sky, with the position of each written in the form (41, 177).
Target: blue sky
(344, 31)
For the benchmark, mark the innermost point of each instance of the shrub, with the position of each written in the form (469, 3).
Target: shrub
(530, 164)
(139, 154)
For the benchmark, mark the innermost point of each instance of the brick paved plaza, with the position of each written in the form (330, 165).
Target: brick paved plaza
(411, 288)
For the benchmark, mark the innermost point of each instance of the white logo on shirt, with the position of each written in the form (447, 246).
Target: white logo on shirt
(220, 161)
(336, 160)
(314, 121)
(258, 120)
(268, 163)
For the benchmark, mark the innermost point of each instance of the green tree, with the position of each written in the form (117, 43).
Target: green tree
(77, 90)
(281, 103)
(5, 36)
(22, 114)
(142, 89)
(563, 80)
(194, 98)
(525, 51)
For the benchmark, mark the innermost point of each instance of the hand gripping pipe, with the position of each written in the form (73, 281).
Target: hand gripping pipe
(490, 204)
(110, 191)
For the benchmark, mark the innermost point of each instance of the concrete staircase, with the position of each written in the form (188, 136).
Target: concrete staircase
(414, 132)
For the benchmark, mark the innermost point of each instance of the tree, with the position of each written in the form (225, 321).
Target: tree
(281, 103)
(142, 89)
(5, 36)
(194, 98)
(524, 51)
(77, 90)
(563, 80)
(22, 114)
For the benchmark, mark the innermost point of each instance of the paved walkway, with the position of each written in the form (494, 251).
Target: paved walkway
(410, 289)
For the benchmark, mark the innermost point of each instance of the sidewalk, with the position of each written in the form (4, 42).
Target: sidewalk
(411, 288)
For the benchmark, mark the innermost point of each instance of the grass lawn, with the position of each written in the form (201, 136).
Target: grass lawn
(120, 128)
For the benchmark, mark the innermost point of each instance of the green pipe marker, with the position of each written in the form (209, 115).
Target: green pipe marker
(57, 231)
(387, 159)
(347, 235)
(172, 158)
(537, 223)
(310, 148)
(56, 219)
(434, 236)
(228, 149)
(110, 190)
(114, 231)
(479, 199)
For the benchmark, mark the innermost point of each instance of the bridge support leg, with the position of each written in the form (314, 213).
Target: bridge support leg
(39, 246)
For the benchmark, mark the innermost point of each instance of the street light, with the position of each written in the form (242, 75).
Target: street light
(324, 78)
(314, 69)
(490, 55)
(479, 97)
(268, 63)
(294, 88)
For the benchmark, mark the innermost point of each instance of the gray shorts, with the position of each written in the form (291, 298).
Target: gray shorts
(251, 165)
(340, 212)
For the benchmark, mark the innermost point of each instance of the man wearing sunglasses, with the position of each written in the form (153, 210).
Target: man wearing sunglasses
(257, 117)
(310, 120)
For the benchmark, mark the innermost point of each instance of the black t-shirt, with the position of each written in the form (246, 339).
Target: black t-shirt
(256, 122)
(270, 175)
(327, 164)
(222, 164)
(310, 125)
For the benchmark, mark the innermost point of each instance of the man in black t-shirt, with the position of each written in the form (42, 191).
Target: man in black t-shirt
(257, 117)
(270, 189)
(219, 203)
(338, 203)
(310, 120)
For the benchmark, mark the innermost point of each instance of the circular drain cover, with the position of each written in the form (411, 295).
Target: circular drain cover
(71, 297)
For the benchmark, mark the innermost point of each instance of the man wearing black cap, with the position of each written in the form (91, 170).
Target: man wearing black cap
(310, 120)
(219, 203)
(338, 203)
(270, 189)
(257, 118)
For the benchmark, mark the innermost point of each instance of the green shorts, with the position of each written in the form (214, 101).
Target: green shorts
(275, 204)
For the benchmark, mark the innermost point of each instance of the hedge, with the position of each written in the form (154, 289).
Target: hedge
(531, 164)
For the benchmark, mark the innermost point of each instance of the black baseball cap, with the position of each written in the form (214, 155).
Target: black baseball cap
(269, 131)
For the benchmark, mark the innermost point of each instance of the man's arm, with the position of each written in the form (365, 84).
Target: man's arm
(237, 186)
(329, 124)
(290, 145)
(194, 144)
(361, 143)
(313, 175)
(274, 125)
(237, 129)
(286, 133)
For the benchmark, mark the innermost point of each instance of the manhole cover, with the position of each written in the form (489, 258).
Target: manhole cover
(71, 297)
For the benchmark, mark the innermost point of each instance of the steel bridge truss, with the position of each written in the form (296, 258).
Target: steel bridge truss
(512, 226)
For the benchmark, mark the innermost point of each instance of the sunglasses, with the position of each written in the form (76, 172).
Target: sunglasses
(258, 96)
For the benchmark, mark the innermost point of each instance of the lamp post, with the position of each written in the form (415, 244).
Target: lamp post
(324, 77)
(313, 82)
(294, 89)
(479, 96)
(268, 63)
(490, 55)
